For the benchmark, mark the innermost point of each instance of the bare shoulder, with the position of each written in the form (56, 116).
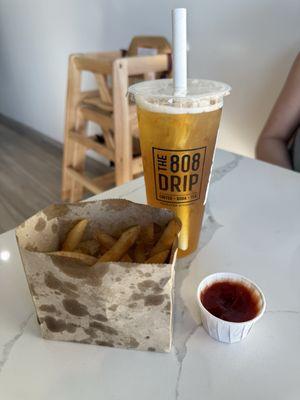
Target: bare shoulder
(297, 59)
(282, 122)
(295, 70)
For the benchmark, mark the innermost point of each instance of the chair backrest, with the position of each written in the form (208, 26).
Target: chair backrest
(158, 43)
(148, 45)
(101, 65)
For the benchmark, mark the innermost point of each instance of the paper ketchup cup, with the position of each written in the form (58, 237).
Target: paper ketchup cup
(223, 330)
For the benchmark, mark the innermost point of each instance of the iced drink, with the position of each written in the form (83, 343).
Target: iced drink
(178, 136)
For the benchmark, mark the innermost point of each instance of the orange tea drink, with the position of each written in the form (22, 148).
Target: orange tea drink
(178, 137)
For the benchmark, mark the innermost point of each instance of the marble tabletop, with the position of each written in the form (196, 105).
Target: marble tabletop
(252, 227)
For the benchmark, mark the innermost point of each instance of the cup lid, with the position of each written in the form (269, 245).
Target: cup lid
(196, 88)
(158, 95)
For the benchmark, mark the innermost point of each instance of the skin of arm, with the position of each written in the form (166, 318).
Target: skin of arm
(282, 122)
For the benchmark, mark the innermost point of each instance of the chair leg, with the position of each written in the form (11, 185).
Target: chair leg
(73, 96)
(123, 139)
(66, 178)
(78, 162)
(77, 188)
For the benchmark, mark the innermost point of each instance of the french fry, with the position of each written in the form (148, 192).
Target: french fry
(139, 254)
(122, 245)
(144, 243)
(158, 258)
(147, 234)
(90, 247)
(106, 241)
(74, 236)
(126, 258)
(157, 232)
(167, 238)
(78, 251)
(86, 259)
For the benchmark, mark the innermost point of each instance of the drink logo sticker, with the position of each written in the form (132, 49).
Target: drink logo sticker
(178, 174)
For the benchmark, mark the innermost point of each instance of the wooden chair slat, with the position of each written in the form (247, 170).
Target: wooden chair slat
(107, 107)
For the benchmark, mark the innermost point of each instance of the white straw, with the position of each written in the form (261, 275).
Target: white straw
(179, 51)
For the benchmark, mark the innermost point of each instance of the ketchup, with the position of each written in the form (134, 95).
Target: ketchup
(230, 301)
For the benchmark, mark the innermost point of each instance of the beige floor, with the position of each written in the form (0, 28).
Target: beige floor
(30, 173)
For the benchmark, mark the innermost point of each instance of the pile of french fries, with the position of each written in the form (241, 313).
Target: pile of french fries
(150, 244)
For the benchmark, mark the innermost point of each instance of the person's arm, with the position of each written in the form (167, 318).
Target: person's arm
(282, 122)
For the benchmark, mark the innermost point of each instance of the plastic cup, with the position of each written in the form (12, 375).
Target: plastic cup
(225, 331)
(178, 136)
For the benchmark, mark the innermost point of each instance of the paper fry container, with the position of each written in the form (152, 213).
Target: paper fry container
(113, 304)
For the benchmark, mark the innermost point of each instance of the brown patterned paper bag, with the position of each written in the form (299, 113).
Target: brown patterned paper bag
(113, 304)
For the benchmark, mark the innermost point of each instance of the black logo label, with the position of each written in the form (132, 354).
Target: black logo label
(178, 174)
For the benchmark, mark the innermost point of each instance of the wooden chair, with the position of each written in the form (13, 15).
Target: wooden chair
(107, 107)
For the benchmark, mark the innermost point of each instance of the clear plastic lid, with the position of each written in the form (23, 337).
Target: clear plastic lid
(158, 96)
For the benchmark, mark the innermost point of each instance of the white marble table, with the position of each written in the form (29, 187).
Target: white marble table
(252, 226)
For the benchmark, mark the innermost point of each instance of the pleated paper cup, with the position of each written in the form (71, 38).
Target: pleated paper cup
(225, 331)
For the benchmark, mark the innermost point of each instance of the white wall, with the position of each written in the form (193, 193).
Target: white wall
(248, 44)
